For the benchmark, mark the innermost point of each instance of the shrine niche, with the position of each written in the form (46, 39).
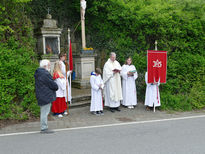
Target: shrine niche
(49, 39)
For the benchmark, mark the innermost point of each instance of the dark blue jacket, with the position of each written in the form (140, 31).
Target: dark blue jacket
(45, 87)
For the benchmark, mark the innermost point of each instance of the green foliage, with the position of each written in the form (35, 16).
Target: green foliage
(197, 95)
(67, 12)
(127, 27)
(131, 27)
(16, 81)
(17, 99)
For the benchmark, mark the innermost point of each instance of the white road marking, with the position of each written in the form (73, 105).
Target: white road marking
(108, 125)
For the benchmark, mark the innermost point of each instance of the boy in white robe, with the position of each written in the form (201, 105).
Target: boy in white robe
(97, 85)
(129, 75)
(62, 57)
(152, 97)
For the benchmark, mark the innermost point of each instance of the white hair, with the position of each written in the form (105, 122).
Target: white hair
(44, 63)
(112, 54)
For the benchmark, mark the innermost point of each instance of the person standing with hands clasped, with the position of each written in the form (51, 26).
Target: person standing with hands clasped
(129, 75)
(97, 85)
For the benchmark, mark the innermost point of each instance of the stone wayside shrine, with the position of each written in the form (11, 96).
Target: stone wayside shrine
(49, 40)
(49, 47)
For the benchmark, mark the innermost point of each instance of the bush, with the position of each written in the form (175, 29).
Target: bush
(17, 62)
(17, 98)
(131, 27)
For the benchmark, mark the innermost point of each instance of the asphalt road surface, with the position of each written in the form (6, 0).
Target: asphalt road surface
(176, 136)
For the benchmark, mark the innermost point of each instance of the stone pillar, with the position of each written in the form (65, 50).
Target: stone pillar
(58, 44)
(84, 64)
(44, 45)
(82, 12)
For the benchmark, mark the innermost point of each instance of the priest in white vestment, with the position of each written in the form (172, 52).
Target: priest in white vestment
(129, 75)
(152, 97)
(96, 106)
(62, 57)
(112, 81)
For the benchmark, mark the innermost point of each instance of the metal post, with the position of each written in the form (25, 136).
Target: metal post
(155, 45)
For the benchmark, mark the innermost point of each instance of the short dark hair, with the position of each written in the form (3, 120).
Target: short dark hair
(98, 71)
(61, 54)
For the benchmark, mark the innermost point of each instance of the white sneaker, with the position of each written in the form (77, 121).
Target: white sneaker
(60, 116)
(132, 107)
(65, 113)
(129, 107)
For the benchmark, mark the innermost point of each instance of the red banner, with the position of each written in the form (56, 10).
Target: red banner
(70, 57)
(156, 66)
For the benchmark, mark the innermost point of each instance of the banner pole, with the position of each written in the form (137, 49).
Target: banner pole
(66, 68)
(155, 45)
(68, 59)
(156, 50)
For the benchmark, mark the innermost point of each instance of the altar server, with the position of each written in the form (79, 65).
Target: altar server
(129, 75)
(62, 57)
(152, 97)
(97, 85)
(59, 105)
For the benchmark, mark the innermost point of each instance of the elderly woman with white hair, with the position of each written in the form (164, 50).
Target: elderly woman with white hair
(45, 88)
(112, 81)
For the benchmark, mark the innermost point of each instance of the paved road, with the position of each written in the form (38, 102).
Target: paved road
(81, 117)
(179, 136)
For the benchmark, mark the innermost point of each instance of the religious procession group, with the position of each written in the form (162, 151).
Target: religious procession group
(115, 93)
(51, 90)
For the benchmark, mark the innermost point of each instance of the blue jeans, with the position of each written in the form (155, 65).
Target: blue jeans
(45, 109)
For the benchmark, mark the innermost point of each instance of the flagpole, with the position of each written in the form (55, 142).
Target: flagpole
(155, 45)
(66, 70)
(69, 58)
(155, 50)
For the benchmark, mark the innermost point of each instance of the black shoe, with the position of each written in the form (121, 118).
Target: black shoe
(97, 112)
(47, 131)
(112, 110)
(101, 113)
(117, 109)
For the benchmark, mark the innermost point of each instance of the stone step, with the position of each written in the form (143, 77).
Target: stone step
(79, 104)
(80, 101)
(80, 98)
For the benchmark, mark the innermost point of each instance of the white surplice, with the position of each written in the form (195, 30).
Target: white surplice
(63, 69)
(112, 81)
(96, 93)
(61, 82)
(128, 86)
(152, 96)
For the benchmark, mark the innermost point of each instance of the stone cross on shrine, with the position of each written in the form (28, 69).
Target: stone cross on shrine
(48, 10)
